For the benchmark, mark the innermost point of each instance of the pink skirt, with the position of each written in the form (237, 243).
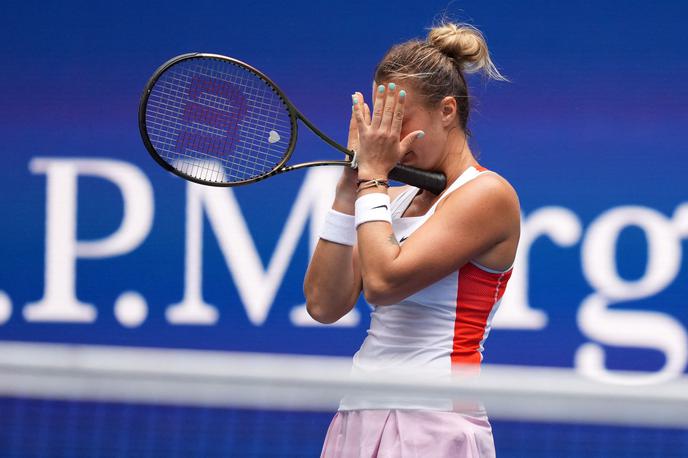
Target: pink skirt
(408, 433)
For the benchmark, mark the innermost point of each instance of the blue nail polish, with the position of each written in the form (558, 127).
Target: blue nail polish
(420, 134)
(381, 89)
(355, 100)
(402, 93)
(392, 86)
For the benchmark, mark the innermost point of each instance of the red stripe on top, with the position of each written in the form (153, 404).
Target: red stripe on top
(479, 168)
(478, 292)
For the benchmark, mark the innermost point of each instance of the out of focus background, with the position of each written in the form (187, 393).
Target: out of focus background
(120, 283)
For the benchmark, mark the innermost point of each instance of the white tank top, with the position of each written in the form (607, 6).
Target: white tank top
(440, 327)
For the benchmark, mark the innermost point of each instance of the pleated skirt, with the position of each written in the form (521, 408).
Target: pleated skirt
(408, 434)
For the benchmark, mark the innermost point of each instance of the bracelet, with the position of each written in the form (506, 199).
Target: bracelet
(373, 207)
(339, 228)
(375, 183)
(378, 180)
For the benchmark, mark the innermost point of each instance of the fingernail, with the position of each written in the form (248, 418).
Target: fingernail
(392, 86)
(354, 99)
(421, 134)
(381, 89)
(402, 93)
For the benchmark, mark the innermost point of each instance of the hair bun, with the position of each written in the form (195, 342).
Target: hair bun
(465, 44)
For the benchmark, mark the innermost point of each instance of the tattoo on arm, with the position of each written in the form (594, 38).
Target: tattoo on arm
(393, 240)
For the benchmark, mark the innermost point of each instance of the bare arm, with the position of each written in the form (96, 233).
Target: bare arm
(481, 217)
(332, 283)
(333, 280)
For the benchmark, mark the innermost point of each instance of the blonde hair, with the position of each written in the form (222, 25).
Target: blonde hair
(467, 45)
(438, 65)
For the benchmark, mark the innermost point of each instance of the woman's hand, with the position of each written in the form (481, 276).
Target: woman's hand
(380, 147)
(346, 188)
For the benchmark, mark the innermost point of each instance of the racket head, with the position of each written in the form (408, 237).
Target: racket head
(216, 121)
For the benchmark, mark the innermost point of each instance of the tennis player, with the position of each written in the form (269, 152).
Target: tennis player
(433, 267)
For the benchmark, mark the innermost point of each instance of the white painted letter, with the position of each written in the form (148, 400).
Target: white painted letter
(639, 329)
(59, 302)
(256, 286)
(5, 307)
(563, 227)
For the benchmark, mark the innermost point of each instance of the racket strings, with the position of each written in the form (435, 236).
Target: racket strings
(217, 121)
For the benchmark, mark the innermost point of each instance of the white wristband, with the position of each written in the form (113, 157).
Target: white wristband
(339, 228)
(373, 207)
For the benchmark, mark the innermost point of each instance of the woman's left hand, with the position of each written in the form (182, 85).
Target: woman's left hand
(380, 146)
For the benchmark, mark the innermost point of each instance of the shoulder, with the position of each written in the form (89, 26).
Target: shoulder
(488, 199)
(488, 188)
(493, 185)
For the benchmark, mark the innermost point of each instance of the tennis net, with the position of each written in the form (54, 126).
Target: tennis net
(78, 401)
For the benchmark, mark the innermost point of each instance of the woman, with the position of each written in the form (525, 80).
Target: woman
(434, 267)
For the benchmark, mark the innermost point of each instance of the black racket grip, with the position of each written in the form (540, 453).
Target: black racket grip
(434, 182)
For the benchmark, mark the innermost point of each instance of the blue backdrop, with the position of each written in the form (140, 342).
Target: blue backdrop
(97, 241)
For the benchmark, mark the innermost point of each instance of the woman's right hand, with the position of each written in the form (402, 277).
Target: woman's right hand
(346, 187)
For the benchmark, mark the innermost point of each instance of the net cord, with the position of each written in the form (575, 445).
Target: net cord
(316, 383)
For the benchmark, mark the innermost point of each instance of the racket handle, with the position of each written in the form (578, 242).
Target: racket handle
(434, 182)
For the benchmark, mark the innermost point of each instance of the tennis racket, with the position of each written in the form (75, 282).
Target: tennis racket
(217, 121)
